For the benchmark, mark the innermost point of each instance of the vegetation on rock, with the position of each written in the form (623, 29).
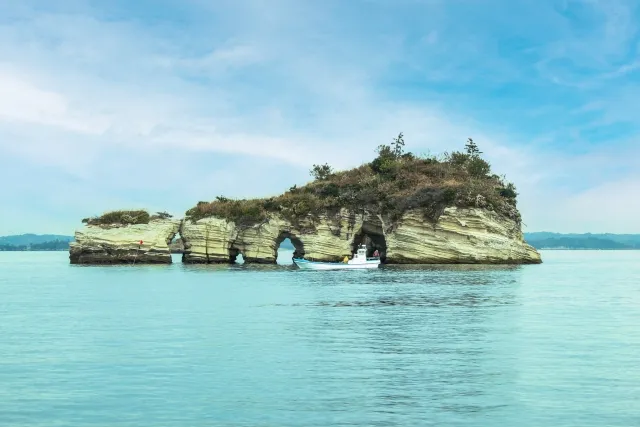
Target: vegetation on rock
(321, 172)
(161, 215)
(393, 183)
(124, 217)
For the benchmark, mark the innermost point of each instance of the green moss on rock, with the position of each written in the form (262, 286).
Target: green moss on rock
(123, 217)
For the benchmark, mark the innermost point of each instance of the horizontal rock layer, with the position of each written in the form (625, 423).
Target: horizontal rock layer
(214, 240)
(470, 236)
(460, 236)
(116, 244)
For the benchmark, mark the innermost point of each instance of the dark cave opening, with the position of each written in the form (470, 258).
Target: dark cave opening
(373, 238)
(235, 256)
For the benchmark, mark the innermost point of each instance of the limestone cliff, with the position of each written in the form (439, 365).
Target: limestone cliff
(216, 240)
(120, 244)
(470, 236)
(467, 236)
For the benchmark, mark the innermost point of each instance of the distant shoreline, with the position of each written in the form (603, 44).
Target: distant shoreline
(589, 241)
(546, 241)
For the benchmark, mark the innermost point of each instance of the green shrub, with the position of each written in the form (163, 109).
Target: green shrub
(161, 215)
(391, 184)
(432, 202)
(509, 192)
(270, 204)
(242, 212)
(385, 160)
(321, 172)
(457, 158)
(120, 218)
(478, 167)
(329, 190)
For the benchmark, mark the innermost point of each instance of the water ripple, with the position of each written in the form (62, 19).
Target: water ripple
(177, 345)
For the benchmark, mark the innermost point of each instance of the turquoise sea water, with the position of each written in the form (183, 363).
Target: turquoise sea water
(551, 345)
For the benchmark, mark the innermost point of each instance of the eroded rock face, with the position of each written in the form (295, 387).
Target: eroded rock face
(460, 236)
(469, 236)
(214, 240)
(116, 244)
(475, 236)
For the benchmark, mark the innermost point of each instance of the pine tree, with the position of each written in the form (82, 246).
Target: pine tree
(472, 148)
(398, 145)
(321, 172)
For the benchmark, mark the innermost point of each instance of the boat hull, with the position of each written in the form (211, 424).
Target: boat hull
(303, 264)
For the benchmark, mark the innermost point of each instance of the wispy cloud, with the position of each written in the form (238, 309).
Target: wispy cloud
(127, 104)
(23, 102)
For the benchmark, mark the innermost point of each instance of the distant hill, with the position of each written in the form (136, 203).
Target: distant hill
(539, 240)
(30, 239)
(547, 240)
(35, 242)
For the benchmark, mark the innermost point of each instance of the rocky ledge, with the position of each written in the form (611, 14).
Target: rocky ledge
(119, 243)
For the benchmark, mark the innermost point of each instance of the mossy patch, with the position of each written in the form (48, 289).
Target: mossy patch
(123, 217)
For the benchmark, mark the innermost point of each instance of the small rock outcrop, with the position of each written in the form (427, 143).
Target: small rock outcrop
(121, 243)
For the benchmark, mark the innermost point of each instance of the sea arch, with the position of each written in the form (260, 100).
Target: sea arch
(298, 246)
(372, 236)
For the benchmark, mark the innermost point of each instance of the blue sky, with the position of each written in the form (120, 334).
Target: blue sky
(160, 104)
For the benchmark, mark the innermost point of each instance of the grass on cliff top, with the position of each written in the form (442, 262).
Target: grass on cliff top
(125, 217)
(393, 183)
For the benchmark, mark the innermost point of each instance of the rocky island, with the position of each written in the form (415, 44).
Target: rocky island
(124, 237)
(412, 209)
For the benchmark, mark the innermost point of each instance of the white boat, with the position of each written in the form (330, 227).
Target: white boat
(358, 262)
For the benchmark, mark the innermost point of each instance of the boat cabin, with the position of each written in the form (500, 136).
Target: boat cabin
(360, 257)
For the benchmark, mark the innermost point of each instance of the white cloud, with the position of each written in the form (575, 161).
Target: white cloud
(22, 101)
(220, 60)
(76, 92)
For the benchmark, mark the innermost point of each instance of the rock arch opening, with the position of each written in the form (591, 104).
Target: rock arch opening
(235, 256)
(176, 245)
(285, 244)
(372, 237)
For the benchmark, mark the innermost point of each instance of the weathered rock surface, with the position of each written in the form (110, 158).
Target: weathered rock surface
(471, 235)
(465, 236)
(116, 244)
(214, 240)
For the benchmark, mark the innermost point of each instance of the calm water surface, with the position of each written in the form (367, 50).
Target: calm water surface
(550, 345)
